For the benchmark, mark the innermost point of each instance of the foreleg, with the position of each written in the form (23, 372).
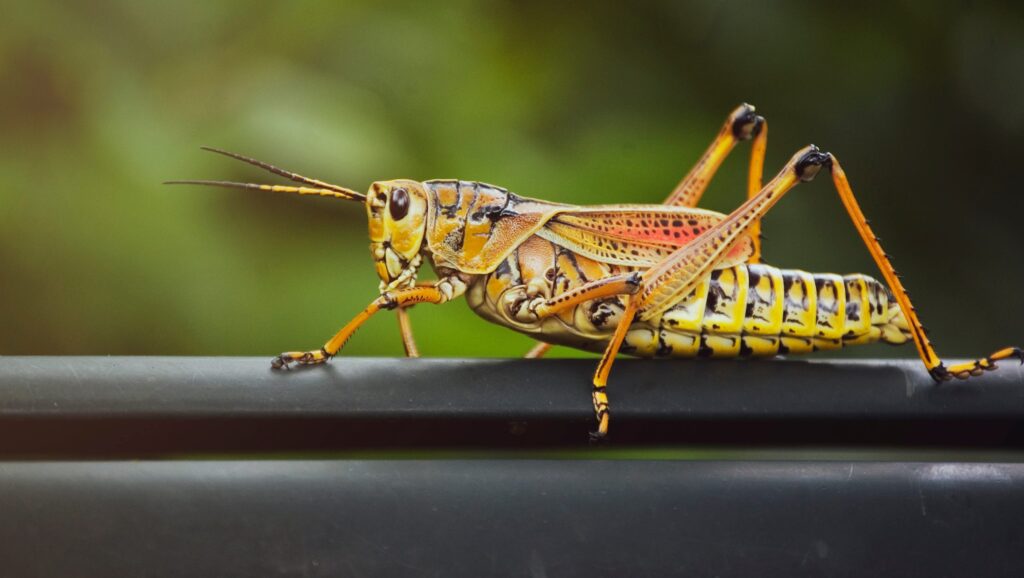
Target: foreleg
(440, 292)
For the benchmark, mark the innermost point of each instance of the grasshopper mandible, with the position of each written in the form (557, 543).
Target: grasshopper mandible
(668, 280)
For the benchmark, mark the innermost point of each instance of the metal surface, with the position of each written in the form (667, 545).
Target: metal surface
(141, 405)
(510, 518)
(264, 516)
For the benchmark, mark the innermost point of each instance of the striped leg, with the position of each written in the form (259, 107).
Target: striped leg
(924, 347)
(677, 275)
(626, 284)
(741, 125)
(600, 394)
(754, 185)
(405, 327)
(441, 292)
(617, 285)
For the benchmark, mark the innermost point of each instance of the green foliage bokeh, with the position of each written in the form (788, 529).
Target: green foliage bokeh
(102, 101)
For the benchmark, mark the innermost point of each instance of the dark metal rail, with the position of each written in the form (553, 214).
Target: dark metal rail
(510, 518)
(71, 504)
(138, 406)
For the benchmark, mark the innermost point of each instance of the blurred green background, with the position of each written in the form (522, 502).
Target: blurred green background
(101, 101)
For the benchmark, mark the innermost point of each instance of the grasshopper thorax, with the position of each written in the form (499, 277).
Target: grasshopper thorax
(397, 212)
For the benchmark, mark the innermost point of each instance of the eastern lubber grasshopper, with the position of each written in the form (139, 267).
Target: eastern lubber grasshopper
(649, 280)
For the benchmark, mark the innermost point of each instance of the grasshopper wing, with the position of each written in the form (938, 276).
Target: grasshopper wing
(634, 235)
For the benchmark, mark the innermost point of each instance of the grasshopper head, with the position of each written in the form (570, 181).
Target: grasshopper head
(397, 211)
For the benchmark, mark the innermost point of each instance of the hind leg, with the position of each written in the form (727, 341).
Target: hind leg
(742, 124)
(931, 360)
(664, 284)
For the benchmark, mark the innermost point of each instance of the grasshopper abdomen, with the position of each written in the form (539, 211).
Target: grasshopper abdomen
(738, 311)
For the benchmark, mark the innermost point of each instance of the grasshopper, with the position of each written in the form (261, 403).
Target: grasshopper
(668, 280)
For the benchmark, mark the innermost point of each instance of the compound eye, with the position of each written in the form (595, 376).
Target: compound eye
(399, 206)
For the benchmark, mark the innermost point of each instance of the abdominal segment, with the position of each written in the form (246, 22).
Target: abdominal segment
(757, 310)
(739, 311)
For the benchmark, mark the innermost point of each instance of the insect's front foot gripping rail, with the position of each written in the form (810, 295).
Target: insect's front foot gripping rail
(436, 293)
(591, 277)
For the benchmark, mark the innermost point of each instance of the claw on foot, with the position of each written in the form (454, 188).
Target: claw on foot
(975, 368)
(603, 415)
(939, 373)
(285, 360)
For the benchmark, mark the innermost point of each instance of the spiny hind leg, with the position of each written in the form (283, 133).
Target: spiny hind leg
(677, 275)
(440, 292)
(931, 360)
(742, 124)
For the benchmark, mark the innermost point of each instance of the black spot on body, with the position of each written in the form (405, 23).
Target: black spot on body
(704, 350)
(853, 311)
(745, 350)
(664, 349)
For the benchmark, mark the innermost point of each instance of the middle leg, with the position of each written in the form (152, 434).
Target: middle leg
(541, 307)
(441, 292)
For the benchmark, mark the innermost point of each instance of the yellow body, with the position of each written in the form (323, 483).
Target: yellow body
(510, 251)
(742, 310)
